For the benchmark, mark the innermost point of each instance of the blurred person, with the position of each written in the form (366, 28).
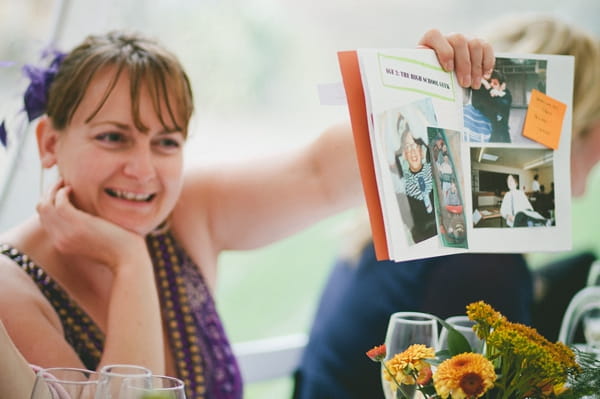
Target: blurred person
(361, 293)
(557, 281)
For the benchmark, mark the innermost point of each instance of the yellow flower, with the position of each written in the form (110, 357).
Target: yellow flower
(468, 375)
(542, 363)
(410, 365)
(487, 318)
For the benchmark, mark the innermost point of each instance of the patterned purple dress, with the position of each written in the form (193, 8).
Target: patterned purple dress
(203, 356)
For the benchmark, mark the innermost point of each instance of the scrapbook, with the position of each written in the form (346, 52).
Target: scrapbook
(447, 169)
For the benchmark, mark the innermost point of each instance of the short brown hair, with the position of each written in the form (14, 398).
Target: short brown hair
(143, 59)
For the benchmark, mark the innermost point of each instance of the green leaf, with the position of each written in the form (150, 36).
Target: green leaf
(457, 343)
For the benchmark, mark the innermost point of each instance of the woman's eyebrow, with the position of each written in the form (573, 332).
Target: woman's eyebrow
(117, 124)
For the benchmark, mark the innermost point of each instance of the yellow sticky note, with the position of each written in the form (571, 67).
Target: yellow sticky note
(544, 119)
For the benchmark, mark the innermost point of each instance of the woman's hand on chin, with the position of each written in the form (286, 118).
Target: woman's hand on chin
(75, 232)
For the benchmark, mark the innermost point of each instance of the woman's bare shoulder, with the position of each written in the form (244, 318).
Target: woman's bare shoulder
(30, 320)
(16, 287)
(18, 291)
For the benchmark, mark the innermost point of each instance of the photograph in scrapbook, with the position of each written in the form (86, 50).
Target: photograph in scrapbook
(500, 200)
(444, 145)
(404, 136)
(495, 113)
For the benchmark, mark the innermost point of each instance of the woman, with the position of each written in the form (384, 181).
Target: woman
(120, 261)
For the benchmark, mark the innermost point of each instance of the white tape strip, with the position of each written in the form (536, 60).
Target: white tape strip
(332, 93)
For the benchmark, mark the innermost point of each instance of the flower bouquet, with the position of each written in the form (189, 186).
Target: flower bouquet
(517, 362)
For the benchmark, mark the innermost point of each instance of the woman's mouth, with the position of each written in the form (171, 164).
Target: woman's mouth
(127, 195)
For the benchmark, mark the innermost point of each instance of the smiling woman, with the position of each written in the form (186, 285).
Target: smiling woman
(259, 61)
(116, 135)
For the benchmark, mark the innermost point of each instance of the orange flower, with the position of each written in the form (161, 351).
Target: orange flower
(377, 353)
(409, 366)
(468, 375)
(425, 375)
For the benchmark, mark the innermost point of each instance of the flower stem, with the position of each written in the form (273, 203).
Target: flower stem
(394, 379)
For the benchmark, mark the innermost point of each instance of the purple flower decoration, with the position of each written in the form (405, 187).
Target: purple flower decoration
(36, 94)
(3, 135)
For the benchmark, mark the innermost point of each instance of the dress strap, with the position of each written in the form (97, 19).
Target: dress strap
(203, 356)
(80, 331)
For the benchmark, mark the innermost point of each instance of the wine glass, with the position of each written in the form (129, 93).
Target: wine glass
(65, 383)
(591, 330)
(463, 325)
(159, 387)
(112, 379)
(405, 329)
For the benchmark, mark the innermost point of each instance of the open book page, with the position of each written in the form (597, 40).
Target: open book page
(453, 169)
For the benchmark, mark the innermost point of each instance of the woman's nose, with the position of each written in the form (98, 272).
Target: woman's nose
(140, 164)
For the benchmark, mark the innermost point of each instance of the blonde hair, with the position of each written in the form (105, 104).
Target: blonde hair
(545, 34)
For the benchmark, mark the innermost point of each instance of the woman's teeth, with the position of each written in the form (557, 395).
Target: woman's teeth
(130, 196)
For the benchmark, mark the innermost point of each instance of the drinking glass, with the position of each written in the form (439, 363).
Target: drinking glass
(405, 329)
(463, 325)
(112, 379)
(159, 387)
(593, 277)
(65, 383)
(591, 330)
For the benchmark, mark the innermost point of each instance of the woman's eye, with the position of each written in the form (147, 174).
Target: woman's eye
(111, 137)
(168, 143)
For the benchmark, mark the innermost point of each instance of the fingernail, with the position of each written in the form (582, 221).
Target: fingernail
(450, 65)
(466, 81)
(487, 74)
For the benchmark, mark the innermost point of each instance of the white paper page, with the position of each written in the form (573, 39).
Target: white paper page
(397, 82)
(557, 77)
(385, 190)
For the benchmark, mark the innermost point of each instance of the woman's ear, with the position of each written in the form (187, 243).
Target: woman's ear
(47, 138)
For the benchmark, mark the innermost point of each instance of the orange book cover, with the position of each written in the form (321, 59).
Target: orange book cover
(355, 97)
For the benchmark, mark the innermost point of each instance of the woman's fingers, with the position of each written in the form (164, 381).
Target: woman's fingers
(61, 198)
(470, 58)
(462, 58)
(488, 59)
(445, 53)
(47, 198)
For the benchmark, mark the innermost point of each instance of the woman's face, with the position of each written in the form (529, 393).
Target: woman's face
(117, 172)
(511, 183)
